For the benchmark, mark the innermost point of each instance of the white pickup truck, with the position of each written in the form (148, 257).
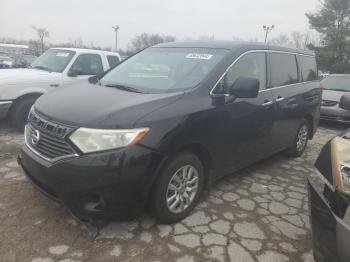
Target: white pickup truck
(57, 67)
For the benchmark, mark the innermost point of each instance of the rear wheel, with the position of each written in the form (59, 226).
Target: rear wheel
(20, 111)
(178, 188)
(300, 141)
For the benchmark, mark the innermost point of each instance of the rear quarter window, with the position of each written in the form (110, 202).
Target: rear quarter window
(112, 60)
(308, 68)
(284, 70)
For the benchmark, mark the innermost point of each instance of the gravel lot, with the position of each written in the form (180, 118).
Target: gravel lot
(259, 214)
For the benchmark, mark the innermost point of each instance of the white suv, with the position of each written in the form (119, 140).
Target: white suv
(57, 67)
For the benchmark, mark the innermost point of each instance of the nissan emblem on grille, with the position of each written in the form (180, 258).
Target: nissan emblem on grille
(47, 138)
(35, 137)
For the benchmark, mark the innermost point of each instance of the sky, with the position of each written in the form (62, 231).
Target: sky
(92, 20)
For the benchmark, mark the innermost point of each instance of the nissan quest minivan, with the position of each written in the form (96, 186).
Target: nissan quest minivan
(164, 124)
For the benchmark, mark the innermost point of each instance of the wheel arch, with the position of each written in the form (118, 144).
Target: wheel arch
(204, 156)
(24, 96)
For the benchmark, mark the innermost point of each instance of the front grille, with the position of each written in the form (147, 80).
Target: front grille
(48, 138)
(329, 103)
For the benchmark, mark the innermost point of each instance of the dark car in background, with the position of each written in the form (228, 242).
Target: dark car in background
(167, 122)
(335, 86)
(5, 61)
(329, 198)
(23, 61)
(16, 61)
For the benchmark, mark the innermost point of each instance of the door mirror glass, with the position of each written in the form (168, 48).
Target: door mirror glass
(345, 102)
(245, 87)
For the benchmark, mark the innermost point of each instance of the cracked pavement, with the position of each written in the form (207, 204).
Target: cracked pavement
(258, 214)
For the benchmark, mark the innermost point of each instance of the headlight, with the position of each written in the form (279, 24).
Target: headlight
(93, 140)
(341, 164)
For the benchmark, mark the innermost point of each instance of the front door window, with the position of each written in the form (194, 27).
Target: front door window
(251, 65)
(87, 64)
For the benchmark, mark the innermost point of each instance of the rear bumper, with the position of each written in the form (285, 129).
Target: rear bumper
(330, 233)
(4, 108)
(335, 114)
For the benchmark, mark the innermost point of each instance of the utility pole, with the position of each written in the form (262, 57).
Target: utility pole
(116, 28)
(267, 30)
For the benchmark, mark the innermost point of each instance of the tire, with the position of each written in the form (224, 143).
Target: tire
(167, 188)
(300, 141)
(19, 112)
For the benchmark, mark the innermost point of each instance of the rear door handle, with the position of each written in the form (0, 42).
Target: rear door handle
(267, 103)
(279, 99)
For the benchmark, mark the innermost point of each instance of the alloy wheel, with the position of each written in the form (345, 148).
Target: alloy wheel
(302, 138)
(182, 189)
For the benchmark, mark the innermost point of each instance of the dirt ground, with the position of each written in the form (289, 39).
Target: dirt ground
(258, 214)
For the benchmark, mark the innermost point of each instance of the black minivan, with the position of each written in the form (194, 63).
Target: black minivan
(167, 122)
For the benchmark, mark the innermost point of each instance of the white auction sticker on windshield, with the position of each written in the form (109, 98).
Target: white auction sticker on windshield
(199, 56)
(62, 54)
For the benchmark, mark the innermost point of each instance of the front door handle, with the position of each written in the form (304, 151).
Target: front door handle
(279, 99)
(267, 103)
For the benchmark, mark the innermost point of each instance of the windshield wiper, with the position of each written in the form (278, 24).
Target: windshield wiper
(41, 68)
(125, 88)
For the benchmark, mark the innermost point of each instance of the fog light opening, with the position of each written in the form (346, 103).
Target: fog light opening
(94, 203)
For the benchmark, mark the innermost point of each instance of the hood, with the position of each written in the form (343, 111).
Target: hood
(14, 76)
(333, 95)
(14, 81)
(88, 105)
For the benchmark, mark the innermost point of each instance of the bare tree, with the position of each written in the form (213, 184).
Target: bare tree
(299, 39)
(296, 39)
(78, 43)
(42, 34)
(302, 40)
(145, 40)
(281, 40)
(34, 46)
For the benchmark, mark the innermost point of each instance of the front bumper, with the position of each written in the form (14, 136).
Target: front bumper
(108, 185)
(335, 114)
(330, 223)
(4, 108)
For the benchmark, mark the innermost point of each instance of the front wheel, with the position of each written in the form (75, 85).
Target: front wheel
(300, 141)
(178, 189)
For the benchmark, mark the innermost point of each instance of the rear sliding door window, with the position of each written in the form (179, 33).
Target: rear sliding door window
(251, 65)
(284, 70)
(308, 68)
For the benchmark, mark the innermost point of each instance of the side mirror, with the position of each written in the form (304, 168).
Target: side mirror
(245, 87)
(345, 102)
(94, 79)
(73, 72)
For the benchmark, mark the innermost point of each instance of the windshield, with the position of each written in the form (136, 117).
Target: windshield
(53, 60)
(160, 70)
(336, 83)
